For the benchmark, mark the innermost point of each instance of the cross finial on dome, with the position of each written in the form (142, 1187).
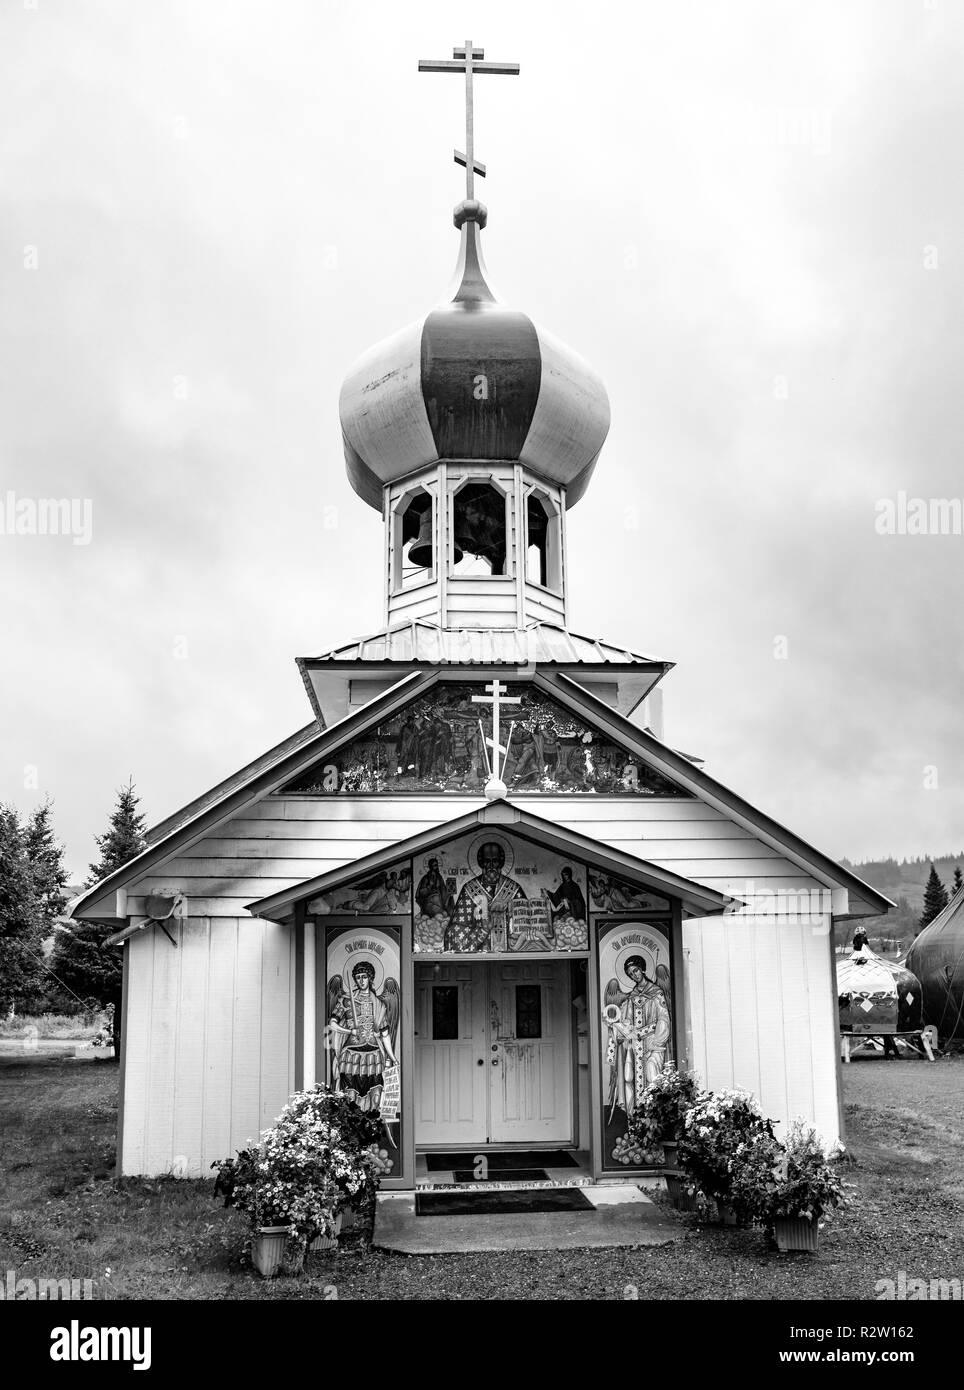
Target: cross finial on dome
(468, 60)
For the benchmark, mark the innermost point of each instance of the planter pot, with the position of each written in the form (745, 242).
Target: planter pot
(328, 1242)
(670, 1148)
(681, 1199)
(267, 1249)
(796, 1233)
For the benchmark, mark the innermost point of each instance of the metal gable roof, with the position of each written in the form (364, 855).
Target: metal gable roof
(539, 643)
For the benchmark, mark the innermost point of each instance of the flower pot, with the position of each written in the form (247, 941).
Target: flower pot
(670, 1148)
(328, 1242)
(682, 1199)
(267, 1249)
(796, 1233)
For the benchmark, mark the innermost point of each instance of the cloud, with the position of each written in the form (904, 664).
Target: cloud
(727, 209)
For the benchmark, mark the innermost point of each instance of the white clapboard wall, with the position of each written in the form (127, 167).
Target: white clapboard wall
(209, 1042)
(210, 1025)
(761, 1014)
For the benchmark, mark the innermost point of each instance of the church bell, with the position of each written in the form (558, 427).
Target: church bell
(420, 552)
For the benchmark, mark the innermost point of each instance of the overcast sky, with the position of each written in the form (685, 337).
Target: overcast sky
(746, 215)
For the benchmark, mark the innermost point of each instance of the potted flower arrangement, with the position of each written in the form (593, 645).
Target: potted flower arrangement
(655, 1126)
(360, 1131)
(660, 1111)
(807, 1187)
(729, 1152)
(318, 1158)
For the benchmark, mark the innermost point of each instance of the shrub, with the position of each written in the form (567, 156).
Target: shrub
(806, 1183)
(730, 1152)
(318, 1157)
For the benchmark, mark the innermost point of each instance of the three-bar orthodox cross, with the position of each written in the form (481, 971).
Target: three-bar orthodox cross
(497, 697)
(468, 60)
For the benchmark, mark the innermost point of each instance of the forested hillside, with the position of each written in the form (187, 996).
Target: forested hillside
(901, 880)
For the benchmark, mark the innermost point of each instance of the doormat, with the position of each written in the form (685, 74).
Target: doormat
(503, 1160)
(494, 1174)
(512, 1202)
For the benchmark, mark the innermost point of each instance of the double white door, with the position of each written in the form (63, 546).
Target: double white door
(493, 1052)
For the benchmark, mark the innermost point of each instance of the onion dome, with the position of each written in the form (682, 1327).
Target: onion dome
(473, 379)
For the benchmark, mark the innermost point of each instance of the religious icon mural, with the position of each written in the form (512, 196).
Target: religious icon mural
(443, 742)
(637, 1021)
(610, 894)
(387, 893)
(361, 1021)
(490, 892)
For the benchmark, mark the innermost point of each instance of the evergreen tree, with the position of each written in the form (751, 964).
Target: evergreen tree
(123, 839)
(958, 883)
(21, 964)
(935, 898)
(89, 972)
(80, 959)
(46, 858)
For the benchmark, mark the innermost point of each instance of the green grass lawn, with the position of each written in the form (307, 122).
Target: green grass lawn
(62, 1214)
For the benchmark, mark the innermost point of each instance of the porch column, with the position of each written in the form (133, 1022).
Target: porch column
(308, 1024)
(304, 999)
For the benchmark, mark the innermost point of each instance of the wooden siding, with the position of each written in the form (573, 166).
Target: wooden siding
(209, 1056)
(419, 604)
(761, 1004)
(542, 605)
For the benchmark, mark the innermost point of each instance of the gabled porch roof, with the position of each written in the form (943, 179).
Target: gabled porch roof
(697, 900)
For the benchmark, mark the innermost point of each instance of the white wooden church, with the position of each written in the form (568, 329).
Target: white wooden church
(476, 890)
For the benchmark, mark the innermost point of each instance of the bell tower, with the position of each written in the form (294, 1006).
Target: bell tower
(473, 430)
(476, 544)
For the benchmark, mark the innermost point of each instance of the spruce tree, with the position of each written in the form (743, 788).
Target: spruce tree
(935, 898)
(80, 959)
(958, 883)
(46, 858)
(21, 964)
(123, 839)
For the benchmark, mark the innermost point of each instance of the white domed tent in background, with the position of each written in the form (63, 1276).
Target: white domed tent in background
(480, 839)
(877, 997)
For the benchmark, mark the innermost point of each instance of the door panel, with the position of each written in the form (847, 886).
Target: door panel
(530, 1094)
(450, 1039)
